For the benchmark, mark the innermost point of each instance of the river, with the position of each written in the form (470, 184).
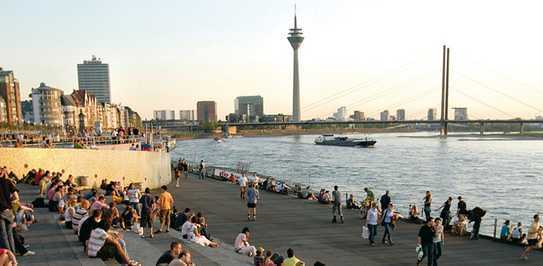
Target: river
(502, 177)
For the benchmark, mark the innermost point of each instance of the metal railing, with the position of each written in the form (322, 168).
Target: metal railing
(65, 142)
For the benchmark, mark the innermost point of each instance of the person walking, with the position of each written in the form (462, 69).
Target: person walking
(427, 204)
(185, 166)
(388, 215)
(336, 205)
(445, 214)
(252, 198)
(425, 240)
(371, 223)
(178, 171)
(385, 200)
(202, 169)
(242, 181)
(439, 238)
(534, 232)
(166, 204)
(147, 203)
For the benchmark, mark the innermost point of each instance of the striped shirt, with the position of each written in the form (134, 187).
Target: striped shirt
(96, 241)
(78, 215)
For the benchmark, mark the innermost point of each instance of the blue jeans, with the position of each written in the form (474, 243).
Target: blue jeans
(386, 234)
(428, 250)
(372, 228)
(6, 235)
(427, 212)
(438, 250)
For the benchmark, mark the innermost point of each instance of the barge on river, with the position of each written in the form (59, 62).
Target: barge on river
(345, 141)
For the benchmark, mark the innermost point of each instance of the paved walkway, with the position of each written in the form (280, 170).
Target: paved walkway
(285, 222)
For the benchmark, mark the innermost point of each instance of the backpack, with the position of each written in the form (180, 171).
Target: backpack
(39, 203)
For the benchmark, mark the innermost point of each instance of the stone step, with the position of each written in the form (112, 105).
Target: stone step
(223, 255)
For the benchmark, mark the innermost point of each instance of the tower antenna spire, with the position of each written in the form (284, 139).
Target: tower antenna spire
(295, 20)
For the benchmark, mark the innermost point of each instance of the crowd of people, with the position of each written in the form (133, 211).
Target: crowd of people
(100, 224)
(530, 240)
(16, 218)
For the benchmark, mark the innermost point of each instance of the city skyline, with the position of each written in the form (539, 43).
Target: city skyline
(397, 61)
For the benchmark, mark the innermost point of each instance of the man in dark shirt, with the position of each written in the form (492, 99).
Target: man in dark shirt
(147, 202)
(7, 188)
(175, 249)
(426, 240)
(462, 208)
(385, 200)
(90, 224)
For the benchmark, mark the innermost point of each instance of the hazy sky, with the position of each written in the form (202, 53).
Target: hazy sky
(170, 54)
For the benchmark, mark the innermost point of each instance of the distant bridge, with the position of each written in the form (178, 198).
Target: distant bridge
(383, 122)
(481, 122)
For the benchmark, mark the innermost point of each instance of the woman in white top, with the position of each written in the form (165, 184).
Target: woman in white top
(372, 217)
(195, 236)
(241, 244)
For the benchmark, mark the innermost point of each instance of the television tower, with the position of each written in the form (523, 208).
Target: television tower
(295, 38)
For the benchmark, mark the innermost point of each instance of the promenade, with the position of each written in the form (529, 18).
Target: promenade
(282, 222)
(286, 222)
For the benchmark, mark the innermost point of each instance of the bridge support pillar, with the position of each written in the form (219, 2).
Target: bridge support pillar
(482, 128)
(521, 128)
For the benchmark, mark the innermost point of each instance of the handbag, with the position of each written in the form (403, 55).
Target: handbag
(365, 232)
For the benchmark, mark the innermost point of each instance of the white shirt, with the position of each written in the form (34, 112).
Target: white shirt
(240, 241)
(242, 181)
(372, 216)
(133, 195)
(516, 233)
(185, 229)
(67, 216)
(96, 241)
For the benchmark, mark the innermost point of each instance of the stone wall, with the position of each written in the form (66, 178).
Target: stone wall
(152, 169)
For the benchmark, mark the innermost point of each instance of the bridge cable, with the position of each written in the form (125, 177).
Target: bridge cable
(499, 92)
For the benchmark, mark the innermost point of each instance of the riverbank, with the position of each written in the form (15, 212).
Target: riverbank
(485, 137)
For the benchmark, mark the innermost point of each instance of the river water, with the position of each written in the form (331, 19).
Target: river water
(502, 177)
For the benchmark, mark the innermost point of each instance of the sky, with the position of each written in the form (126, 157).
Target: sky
(365, 55)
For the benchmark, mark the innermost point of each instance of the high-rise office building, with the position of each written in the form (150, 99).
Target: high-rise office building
(93, 76)
(341, 114)
(251, 107)
(384, 115)
(295, 38)
(358, 116)
(186, 115)
(46, 105)
(206, 111)
(164, 115)
(400, 114)
(10, 92)
(460, 113)
(432, 114)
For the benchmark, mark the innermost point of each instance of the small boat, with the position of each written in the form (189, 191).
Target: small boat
(218, 140)
(345, 141)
